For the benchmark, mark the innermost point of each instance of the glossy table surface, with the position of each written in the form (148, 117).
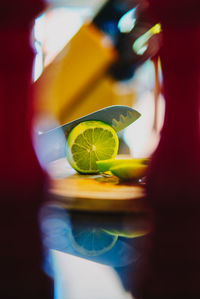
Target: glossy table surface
(97, 219)
(99, 193)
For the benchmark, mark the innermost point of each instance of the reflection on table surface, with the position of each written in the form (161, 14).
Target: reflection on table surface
(93, 254)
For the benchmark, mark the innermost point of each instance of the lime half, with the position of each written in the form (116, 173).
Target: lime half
(89, 142)
(91, 241)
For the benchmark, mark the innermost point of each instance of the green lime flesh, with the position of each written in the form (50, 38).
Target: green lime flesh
(89, 142)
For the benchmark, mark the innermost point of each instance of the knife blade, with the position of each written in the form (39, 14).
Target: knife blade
(52, 142)
(117, 116)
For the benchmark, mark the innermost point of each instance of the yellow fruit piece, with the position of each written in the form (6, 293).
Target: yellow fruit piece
(105, 165)
(89, 142)
(129, 171)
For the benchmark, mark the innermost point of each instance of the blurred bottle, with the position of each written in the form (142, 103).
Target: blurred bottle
(92, 70)
(125, 22)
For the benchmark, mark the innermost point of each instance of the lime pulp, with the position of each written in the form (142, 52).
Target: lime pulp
(89, 142)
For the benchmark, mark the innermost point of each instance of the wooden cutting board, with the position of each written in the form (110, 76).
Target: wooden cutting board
(93, 192)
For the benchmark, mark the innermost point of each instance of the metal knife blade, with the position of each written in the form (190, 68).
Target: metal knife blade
(52, 142)
(117, 116)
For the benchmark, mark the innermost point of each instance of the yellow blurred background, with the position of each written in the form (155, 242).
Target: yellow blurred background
(71, 75)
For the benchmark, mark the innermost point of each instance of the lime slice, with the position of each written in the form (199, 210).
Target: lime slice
(129, 171)
(91, 241)
(105, 165)
(89, 142)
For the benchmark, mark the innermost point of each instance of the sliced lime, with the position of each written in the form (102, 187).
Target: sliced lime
(129, 171)
(89, 142)
(105, 165)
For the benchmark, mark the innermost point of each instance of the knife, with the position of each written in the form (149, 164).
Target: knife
(51, 143)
